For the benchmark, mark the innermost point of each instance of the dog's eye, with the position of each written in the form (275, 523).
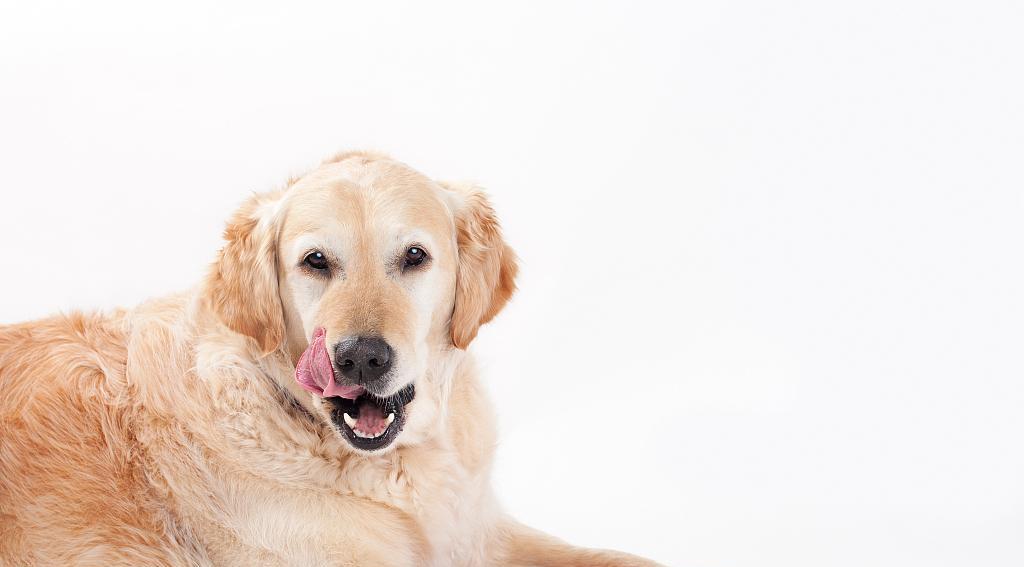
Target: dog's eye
(316, 260)
(415, 256)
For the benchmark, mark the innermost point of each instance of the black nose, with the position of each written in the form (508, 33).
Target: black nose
(363, 359)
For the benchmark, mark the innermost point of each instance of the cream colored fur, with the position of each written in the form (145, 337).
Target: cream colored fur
(174, 433)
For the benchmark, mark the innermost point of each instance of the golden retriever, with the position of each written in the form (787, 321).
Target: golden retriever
(310, 403)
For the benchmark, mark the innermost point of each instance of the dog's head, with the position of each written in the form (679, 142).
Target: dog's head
(379, 270)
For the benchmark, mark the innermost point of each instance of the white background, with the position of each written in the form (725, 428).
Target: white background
(770, 311)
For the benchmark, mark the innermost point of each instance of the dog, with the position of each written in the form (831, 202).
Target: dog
(311, 402)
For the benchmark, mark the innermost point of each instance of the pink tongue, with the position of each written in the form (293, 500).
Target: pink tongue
(315, 373)
(371, 419)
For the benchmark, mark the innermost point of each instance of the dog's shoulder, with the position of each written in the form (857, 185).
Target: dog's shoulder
(72, 484)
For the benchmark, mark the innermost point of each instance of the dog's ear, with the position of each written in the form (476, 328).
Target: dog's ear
(241, 288)
(487, 268)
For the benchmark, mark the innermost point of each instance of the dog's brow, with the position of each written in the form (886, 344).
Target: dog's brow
(404, 237)
(329, 244)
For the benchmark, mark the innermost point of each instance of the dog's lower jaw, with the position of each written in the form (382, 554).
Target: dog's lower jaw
(352, 419)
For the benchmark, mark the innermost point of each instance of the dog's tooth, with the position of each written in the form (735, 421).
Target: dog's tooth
(391, 417)
(350, 421)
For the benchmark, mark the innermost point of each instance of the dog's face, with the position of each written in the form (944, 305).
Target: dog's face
(367, 253)
(380, 267)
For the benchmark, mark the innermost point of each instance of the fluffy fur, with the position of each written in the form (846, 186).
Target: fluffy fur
(174, 433)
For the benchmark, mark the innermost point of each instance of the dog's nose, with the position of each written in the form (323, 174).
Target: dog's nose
(363, 359)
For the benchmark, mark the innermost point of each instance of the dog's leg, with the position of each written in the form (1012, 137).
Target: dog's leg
(521, 546)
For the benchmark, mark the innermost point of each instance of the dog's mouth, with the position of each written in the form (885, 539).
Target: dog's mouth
(371, 422)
